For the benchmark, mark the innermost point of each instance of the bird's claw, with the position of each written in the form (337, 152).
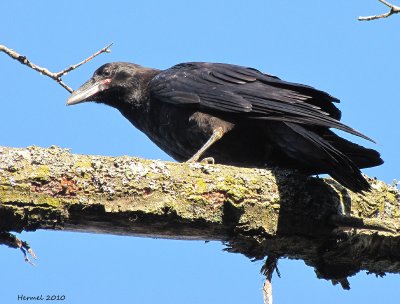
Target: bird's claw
(208, 160)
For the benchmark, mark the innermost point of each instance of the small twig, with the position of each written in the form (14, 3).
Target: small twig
(267, 291)
(10, 240)
(393, 10)
(105, 49)
(55, 76)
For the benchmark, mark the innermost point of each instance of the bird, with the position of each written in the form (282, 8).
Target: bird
(233, 115)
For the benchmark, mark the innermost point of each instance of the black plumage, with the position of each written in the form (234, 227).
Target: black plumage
(236, 115)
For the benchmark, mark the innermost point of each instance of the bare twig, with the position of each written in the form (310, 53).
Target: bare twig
(105, 49)
(55, 76)
(393, 10)
(267, 291)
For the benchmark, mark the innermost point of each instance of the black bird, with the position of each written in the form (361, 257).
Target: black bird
(234, 115)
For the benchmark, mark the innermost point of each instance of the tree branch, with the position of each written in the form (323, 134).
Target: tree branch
(55, 76)
(276, 212)
(393, 10)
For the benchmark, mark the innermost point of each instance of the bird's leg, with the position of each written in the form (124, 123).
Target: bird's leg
(208, 160)
(216, 135)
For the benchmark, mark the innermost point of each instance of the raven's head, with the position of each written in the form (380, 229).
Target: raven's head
(113, 84)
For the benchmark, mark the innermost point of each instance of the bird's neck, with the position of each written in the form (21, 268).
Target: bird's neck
(134, 101)
(136, 111)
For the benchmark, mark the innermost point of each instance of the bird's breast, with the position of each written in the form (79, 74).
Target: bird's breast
(181, 132)
(172, 129)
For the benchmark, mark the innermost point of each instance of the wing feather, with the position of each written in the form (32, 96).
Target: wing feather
(219, 88)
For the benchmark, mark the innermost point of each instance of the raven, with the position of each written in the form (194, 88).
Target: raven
(234, 115)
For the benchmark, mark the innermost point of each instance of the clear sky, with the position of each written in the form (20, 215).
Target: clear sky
(319, 43)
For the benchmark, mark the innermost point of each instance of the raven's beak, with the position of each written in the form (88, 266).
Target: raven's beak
(88, 90)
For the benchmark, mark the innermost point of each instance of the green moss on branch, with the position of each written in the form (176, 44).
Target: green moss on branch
(257, 212)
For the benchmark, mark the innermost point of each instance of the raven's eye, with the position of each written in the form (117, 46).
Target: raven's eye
(107, 72)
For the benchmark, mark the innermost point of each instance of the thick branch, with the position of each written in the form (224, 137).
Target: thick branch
(393, 10)
(257, 212)
(55, 76)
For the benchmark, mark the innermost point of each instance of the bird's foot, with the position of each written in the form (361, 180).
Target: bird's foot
(193, 159)
(208, 160)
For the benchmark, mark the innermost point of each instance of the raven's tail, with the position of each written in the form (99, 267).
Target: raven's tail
(362, 157)
(328, 153)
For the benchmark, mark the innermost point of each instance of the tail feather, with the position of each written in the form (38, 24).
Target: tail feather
(362, 157)
(323, 154)
(341, 167)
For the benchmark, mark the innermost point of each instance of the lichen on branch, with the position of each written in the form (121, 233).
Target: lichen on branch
(257, 212)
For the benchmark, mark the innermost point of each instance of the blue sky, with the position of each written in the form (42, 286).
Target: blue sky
(319, 43)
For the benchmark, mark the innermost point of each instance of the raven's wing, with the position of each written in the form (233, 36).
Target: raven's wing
(218, 87)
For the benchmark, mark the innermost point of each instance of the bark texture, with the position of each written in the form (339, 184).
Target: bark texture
(257, 212)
